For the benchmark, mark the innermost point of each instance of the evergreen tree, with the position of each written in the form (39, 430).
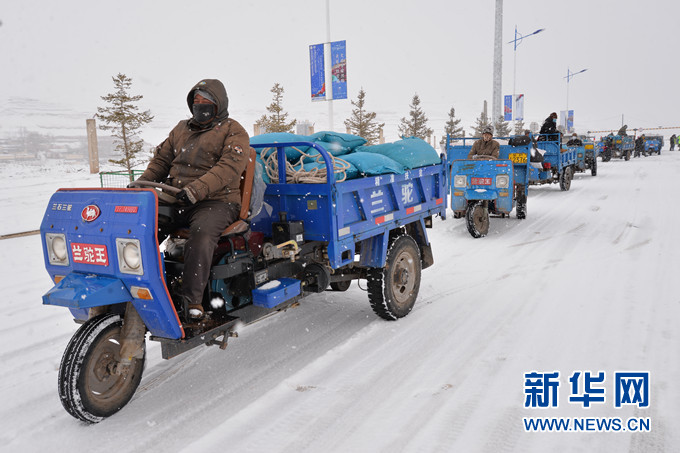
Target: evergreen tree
(451, 128)
(501, 127)
(482, 122)
(519, 127)
(362, 123)
(276, 121)
(124, 120)
(416, 125)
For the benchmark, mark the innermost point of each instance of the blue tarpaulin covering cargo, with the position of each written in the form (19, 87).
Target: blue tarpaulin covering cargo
(352, 158)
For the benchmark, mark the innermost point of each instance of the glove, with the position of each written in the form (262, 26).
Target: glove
(183, 197)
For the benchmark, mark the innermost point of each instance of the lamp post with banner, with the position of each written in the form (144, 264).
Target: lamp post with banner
(515, 42)
(569, 77)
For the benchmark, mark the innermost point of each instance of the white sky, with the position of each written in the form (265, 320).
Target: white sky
(66, 52)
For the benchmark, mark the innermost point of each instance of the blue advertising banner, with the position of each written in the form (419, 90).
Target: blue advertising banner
(339, 69)
(507, 108)
(317, 72)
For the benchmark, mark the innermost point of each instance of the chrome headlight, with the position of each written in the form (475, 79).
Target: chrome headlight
(57, 249)
(129, 256)
(502, 181)
(459, 181)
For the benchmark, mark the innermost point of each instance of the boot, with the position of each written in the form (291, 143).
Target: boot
(196, 311)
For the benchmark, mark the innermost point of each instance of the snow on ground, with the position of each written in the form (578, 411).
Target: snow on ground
(585, 283)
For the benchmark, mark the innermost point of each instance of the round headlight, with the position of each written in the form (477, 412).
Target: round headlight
(59, 247)
(502, 181)
(131, 255)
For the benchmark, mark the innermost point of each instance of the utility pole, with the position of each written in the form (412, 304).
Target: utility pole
(329, 66)
(497, 100)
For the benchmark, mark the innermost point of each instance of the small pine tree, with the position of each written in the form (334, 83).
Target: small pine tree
(276, 121)
(416, 125)
(519, 127)
(482, 122)
(362, 123)
(451, 128)
(122, 118)
(502, 127)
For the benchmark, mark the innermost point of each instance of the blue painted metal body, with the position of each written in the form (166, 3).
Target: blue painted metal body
(580, 164)
(653, 144)
(592, 151)
(556, 159)
(358, 210)
(93, 277)
(617, 146)
(340, 214)
(586, 155)
(271, 297)
(480, 176)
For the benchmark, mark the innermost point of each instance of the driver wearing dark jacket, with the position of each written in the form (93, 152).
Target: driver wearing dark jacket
(205, 157)
(486, 148)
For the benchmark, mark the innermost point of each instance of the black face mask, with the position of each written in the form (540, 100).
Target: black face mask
(203, 113)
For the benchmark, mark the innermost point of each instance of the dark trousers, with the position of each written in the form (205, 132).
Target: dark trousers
(206, 221)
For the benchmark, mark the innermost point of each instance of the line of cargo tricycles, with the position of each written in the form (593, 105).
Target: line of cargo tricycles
(100, 249)
(624, 146)
(482, 188)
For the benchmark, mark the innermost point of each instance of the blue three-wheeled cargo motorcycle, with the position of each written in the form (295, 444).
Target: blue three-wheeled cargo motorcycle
(480, 188)
(101, 251)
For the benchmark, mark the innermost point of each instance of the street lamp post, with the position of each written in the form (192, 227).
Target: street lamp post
(518, 39)
(569, 77)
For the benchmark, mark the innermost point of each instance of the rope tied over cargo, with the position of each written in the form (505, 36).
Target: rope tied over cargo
(296, 173)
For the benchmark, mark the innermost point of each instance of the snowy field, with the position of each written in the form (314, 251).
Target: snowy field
(585, 283)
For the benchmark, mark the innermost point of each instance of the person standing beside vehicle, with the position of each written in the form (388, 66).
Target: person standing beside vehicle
(486, 148)
(204, 157)
(673, 140)
(640, 146)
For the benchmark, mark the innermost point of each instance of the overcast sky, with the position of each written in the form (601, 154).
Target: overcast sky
(65, 53)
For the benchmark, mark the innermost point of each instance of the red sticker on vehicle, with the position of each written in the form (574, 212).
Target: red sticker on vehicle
(90, 254)
(126, 209)
(481, 181)
(90, 212)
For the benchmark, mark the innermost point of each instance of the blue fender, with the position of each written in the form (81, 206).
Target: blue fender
(481, 194)
(81, 291)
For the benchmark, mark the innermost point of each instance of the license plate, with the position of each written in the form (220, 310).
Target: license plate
(518, 158)
(480, 181)
(90, 254)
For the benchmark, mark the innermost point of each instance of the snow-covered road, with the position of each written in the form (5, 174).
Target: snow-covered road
(585, 283)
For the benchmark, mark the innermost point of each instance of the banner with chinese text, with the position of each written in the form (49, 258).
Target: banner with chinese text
(507, 108)
(339, 69)
(317, 72)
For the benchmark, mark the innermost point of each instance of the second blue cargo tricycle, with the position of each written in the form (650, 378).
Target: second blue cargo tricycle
(558, 163)
(483, 187)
